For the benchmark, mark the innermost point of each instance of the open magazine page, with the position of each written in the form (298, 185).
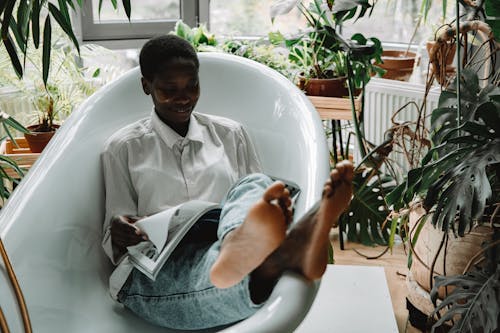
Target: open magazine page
(165, 230)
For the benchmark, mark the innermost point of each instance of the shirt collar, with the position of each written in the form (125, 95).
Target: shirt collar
(170, 137)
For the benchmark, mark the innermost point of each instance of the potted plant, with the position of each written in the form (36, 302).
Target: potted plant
(67, 86)
(265, 53)
(17, 32)
(458, 188)
(447, 207)
(16, 35)
(318, 54)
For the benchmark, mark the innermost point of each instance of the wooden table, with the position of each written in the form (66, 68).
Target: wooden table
(335, 108)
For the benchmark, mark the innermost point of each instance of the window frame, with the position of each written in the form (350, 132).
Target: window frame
(129, 31)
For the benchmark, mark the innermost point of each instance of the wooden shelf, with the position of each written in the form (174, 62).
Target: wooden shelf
(21, 154)
(338, 108)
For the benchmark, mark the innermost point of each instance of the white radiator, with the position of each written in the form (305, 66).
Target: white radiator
(383, 98)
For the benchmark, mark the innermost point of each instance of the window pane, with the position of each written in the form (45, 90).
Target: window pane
(250, 18)
(395, 20)
(142, 10)
(391, 20)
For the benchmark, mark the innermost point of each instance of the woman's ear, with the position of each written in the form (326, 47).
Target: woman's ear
(146, 86)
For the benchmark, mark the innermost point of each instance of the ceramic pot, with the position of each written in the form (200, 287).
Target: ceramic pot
(334, 87)
(398, 64)
(459, 251)
(38, 140)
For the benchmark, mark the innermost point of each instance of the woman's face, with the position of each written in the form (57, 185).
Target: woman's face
(175, 90)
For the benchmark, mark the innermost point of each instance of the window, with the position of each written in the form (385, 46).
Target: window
(149, 17)
(394, 21)
(250, 18)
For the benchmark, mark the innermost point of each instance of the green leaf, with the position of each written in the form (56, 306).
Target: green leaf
(15, 29)
(63, 8)
(11, 50)
(70, 3)
(126, 6)
(2, 5)
(47, 41)
(463, 190)
(414, 238)
(23, 12)
(276, 38)
(347, 5)
(475, 300)
(66, 26)
(96, 73)
(395, 196)
(99, 8)
(183, 30)
(7, 16)
(11, 122)
(35, 23)
(4, 160)
(366, 216)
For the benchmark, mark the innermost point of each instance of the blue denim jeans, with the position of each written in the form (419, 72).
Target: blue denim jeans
(182, 296)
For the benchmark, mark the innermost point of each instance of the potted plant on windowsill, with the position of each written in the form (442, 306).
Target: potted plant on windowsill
(40, 133)
(25, 22)
(318, 53)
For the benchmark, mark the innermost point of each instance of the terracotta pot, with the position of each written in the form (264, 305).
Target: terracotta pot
(334, 87)
(398, 64)
(38, 140)
(459, 251)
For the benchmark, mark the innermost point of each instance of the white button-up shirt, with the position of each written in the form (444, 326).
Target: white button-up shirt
(148, 168)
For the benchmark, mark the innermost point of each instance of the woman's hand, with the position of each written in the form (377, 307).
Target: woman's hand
(124, 233)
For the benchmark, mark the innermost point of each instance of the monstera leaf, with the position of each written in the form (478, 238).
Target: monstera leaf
(463, 189)
(456, 174)
(367, 213)
(475, 298)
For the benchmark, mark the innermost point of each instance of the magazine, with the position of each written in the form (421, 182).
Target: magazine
(165, 230)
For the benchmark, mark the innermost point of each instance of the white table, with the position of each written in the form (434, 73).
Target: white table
(351, 299)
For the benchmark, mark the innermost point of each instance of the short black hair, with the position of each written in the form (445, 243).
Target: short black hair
(161, 49)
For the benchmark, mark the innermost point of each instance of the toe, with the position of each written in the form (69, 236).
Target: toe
(274, 191)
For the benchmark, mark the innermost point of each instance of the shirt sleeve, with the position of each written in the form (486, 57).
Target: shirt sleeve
(247, 155)
(121, 198)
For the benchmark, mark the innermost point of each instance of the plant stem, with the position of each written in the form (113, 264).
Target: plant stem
(459, 70)
(350, 86)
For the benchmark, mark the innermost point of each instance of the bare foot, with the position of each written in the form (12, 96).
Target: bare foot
(247, 246)
(336, 197)
(305, 248)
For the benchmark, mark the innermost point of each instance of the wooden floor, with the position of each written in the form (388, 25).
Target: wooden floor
(395, 270)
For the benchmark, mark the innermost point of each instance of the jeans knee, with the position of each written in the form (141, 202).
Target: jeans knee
(256, 177)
